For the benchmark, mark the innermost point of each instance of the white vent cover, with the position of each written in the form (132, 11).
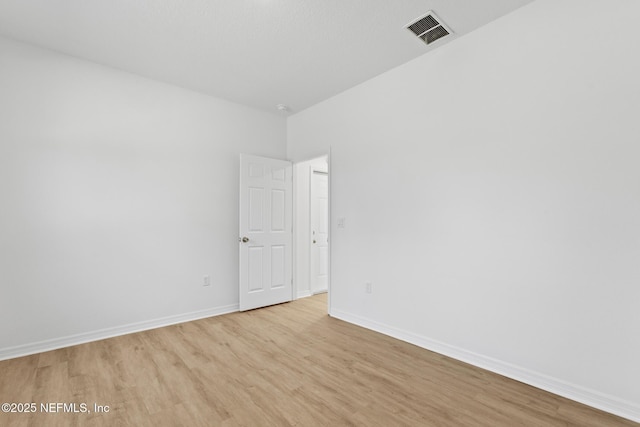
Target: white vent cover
(428, 28)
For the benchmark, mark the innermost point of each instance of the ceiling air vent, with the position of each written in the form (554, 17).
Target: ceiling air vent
(428, 28)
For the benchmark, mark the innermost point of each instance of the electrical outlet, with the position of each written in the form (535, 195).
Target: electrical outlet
(368, 287)
(206, 281)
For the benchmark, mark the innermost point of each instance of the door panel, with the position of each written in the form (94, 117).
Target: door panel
(278, 217)
(255, 266)
(256, 207)
(278, 267)
(265, 222)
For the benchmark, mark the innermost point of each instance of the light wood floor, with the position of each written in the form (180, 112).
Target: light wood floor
(284, 365)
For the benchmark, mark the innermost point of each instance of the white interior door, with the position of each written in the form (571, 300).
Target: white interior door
(319, 264)
(265, 231)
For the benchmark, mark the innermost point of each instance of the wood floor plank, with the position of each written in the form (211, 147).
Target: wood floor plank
(286, 365)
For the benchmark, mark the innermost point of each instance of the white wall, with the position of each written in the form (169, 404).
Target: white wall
(491, 192)
(118, 194)
(302, 203)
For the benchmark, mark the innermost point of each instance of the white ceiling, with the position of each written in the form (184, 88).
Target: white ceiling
(255, 52)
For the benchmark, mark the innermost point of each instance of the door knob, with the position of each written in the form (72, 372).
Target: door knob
(243, 239)
(314, 241)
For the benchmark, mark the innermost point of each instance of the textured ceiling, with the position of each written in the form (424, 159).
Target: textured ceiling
(255, 52)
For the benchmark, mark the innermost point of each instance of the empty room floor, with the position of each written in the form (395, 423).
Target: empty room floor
(289, 364)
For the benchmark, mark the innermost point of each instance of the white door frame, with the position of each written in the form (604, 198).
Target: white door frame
(296, 221)
(330, 234)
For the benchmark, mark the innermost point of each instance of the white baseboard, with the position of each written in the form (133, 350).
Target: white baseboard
(56, 343)
(562, 388)
(304, 294)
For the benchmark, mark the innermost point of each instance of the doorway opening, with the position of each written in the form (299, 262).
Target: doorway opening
(311, 227)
